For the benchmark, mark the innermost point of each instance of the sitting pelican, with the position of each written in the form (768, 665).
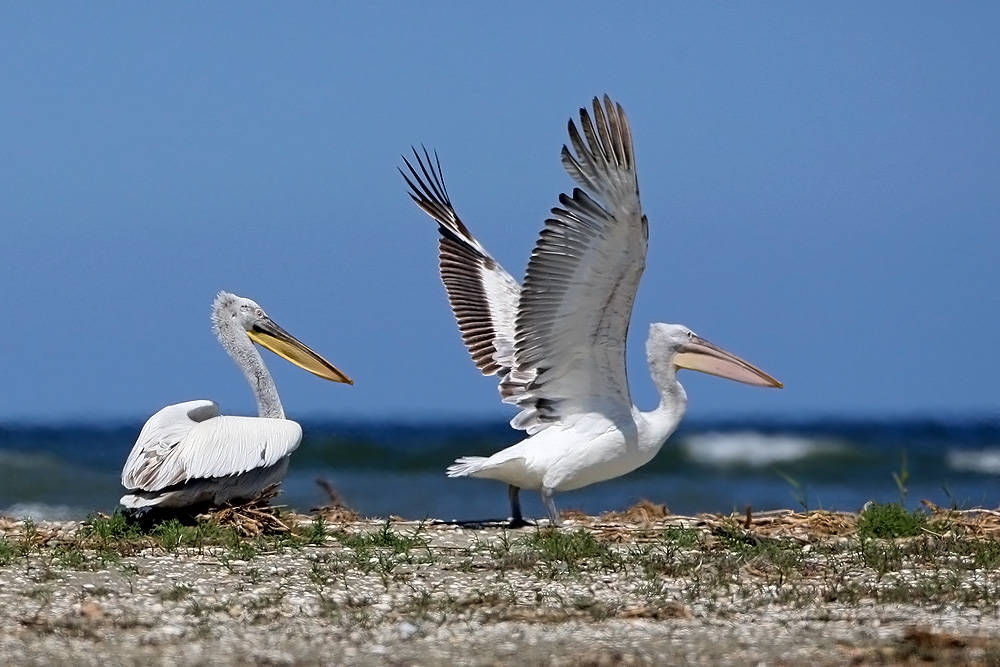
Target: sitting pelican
(557, 342)
(188, 454)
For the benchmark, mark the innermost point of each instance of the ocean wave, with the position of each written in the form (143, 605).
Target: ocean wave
(986, 461)
(757, 450)
(11, 458)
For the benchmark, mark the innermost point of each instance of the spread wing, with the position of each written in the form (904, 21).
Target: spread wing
(482, 294)
(576, 301)
(191, 441)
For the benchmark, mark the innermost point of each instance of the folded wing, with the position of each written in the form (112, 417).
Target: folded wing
(190, 441)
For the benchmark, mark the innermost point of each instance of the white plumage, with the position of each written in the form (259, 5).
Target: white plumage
(188, 454)
(558, 341)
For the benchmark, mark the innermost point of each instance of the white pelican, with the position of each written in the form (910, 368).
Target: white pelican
(188, 454)
(557, 343)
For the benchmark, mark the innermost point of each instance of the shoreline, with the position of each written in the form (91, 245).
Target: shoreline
(642, 588)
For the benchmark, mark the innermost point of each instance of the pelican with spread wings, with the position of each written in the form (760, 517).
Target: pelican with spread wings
(188, 454)
(557, 341)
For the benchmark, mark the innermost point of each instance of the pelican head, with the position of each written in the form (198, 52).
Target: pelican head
(236, 312)
(686, 349)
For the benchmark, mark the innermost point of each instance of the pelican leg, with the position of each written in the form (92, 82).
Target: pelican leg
(550, 505)
(516, 518)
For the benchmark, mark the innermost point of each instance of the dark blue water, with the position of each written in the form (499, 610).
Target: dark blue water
(382, 469)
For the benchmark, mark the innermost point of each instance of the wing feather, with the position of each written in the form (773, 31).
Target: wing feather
(482, 294)
(577, 297)
(191, 441)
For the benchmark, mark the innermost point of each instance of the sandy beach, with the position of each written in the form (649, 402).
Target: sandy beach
(637, 589)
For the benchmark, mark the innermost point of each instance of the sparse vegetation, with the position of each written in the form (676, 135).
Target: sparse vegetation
(209, 577)
(659, 568)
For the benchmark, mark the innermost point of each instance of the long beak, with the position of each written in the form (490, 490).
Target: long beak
(268, 334)
(700, 355)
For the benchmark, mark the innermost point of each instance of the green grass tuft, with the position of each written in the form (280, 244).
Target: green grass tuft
(889, 520)
(681, 537)
(114, 528)
(384, 538)
(315, 532)
(7, 551)
(570, 548)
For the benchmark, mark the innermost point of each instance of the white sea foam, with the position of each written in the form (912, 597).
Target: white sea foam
(748, 448)
(42, 512)
(985, 461)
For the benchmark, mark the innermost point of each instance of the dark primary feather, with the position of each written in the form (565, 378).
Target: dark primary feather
(431, 195)
(465, 269)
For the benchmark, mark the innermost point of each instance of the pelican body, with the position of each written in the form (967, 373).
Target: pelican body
(188, 454)
(557, 342)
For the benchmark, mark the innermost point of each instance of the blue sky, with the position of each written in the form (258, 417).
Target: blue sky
(822, 183)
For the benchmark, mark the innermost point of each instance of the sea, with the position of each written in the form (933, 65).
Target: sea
(71, 471)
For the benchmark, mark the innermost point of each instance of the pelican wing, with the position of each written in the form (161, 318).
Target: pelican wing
(483, 296)
(576, 301)
(190, 441)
